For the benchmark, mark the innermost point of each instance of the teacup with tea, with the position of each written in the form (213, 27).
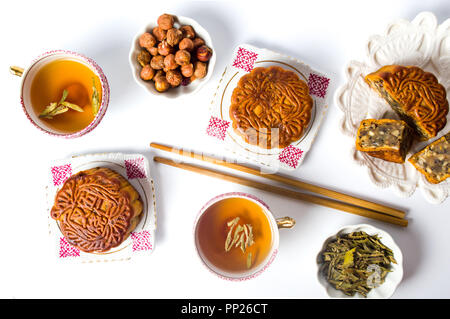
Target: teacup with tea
(236, 235)
(64, 93)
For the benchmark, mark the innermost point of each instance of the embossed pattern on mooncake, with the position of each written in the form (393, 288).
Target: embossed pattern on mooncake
(271, 107)
(415, 95)
(97, 209)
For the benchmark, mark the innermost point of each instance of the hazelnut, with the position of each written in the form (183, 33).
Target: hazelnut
(204, 53)
(174, 36)
(159, 33)
(200, 70)
(166, 21)
(164, 48)
(174, 77)
(198, 42)
(147, 73)
(144, 58)
(157, 62)
(185, 81)
(169, 62)
(186, 44)
(182, 57)
(158, 75)
(187, 70)
(153, 51)
(188, 31)
(161, 84)
(147, 40)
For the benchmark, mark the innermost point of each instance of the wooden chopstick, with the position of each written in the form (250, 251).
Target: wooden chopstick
(285, 192)
(351, 200)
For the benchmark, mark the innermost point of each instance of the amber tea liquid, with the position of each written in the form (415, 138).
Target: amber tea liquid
(212, 233)
(48, 86)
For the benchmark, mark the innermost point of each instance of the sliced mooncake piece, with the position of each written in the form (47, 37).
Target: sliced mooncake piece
(415, 95)
(434, 160)
(387, 139)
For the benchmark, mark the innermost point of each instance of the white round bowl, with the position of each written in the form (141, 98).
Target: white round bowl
(180, 90)
(385, 290)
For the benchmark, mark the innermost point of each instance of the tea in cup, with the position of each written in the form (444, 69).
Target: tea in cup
(63, 93)
(236, 235)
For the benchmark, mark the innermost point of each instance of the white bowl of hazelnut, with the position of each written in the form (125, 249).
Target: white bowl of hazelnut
(172, 57)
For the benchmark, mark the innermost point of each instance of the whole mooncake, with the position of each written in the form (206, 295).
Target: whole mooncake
(271, 107)
(433, 161)
(97, 209)
(415, 95)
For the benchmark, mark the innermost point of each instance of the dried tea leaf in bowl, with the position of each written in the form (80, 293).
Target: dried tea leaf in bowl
(356, 263)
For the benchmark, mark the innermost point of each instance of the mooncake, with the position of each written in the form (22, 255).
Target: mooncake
(97, 209)
(387, 139)
(415, 95)
(433, 161)
(271, 107)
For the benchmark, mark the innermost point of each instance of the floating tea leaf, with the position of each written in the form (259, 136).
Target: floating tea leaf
(236, 236)
(249, 260)
(48, 110)
(246, 232)
(242, 242)
(64, 96)
(58, 108)
(233, 222)
(95, 98)
(240, 236)
(230, 224)
(72, 106)
(250, 235)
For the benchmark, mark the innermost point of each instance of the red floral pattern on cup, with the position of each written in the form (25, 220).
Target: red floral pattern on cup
(61, 173)
(135, 168)
(318, 85)
(67, 250)
(290, 156)
(141, 240)
(217, 128)
(245, 59)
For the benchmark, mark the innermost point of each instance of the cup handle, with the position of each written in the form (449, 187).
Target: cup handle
(285, 222)
(16, 70)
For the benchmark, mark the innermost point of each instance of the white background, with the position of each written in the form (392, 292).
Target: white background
(324, 34)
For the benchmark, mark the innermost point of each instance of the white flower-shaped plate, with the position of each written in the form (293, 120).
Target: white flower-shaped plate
(421, 42)
(392, 280)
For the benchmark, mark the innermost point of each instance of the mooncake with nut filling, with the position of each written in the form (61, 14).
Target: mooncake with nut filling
(387, 139)
(415, 95)
(271, 107)
(97, 209)
(434, 160)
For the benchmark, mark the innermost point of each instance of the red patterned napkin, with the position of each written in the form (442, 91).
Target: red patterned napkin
(136, 169)
(245, 58)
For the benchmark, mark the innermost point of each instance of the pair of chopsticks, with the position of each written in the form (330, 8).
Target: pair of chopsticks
(328, 198)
